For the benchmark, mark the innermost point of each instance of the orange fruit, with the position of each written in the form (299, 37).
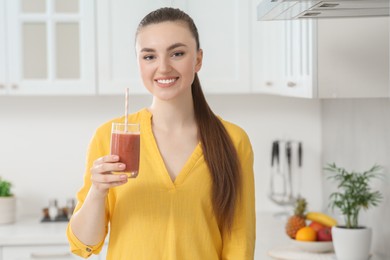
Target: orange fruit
(306, 234)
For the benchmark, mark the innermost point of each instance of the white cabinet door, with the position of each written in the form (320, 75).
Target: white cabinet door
(281, 56)
(268, 55)
(117, 22)
(50, 47)
(3, 76)
(298, 63)
(39, 252)
(223, 27)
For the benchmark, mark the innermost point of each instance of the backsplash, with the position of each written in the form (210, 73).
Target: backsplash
(356, 135)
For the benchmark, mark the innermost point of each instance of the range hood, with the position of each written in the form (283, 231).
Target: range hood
(297, 9)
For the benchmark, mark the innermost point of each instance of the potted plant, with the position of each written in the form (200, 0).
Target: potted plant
(352, 241)
(7, 203)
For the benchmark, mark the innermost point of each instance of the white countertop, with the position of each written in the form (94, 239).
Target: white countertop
(30, 231)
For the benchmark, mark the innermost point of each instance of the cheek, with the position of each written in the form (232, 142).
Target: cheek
(190, 67)
(146, 75)
(144, 70)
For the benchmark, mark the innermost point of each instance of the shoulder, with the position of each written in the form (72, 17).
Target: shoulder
(242, 144)
(238, 135)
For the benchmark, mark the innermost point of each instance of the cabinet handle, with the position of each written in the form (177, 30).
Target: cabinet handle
(268, 83)
(49, 255)
(2, 86)
(14, 86)
(291, 84)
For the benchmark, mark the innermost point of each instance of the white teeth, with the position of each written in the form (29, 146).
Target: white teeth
(165, 81)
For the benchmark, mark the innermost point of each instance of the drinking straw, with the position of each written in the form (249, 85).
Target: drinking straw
(126, 107)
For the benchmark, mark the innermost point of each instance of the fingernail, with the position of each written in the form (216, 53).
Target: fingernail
(122, 166)
(115, 157)
(123, 177)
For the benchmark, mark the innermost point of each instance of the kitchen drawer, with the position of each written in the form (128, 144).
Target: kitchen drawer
(39, 252)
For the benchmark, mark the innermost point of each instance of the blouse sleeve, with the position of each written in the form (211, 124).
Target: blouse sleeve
(240, 244)
(95, 150)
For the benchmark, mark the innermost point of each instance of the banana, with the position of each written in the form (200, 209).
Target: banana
(321, 218)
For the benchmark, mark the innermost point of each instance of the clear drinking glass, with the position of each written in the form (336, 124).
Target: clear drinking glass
(125, 142)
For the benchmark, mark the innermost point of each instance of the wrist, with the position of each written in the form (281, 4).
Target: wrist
(97, 194)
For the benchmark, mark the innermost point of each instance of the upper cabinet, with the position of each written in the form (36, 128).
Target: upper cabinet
(57, 47)
(49, 47)
(224, 37)
(324, 58)
(282, 61)
(3, 73)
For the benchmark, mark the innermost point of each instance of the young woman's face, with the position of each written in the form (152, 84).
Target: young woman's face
(167, 59)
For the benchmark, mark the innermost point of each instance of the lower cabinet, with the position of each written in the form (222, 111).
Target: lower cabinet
(60, 252)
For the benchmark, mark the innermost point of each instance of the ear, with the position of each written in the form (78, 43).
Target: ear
(199, 59)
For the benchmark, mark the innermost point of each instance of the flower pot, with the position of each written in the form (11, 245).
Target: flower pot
(352, 243)
(7, 210)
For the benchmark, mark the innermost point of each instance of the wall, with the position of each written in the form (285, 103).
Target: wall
(356, 134)
(43, 141)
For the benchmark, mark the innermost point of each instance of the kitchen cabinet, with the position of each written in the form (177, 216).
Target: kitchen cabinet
(324, 58)
(2, 48)
(224, 37)
(49, 47)
(281, 56)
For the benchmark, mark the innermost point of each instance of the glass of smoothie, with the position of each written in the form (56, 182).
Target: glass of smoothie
(125, 142)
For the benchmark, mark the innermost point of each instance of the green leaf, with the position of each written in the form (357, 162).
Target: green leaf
(354, 192)
(5, 188)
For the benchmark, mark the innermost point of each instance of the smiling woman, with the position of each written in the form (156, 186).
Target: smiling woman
(194, 195)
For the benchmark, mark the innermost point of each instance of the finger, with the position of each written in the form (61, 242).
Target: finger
(108, 178)
(106, 159)
(108, 168)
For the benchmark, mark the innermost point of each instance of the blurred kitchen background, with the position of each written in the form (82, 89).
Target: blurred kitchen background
(64, 65)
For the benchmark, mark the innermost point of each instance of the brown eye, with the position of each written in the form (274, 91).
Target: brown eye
(178, 54)
(148, 57)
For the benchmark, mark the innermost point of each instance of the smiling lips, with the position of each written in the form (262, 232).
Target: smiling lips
(166, 82)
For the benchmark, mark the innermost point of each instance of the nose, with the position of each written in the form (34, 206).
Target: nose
(164, 65)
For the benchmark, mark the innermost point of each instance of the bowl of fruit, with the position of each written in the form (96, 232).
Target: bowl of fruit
(311, 232)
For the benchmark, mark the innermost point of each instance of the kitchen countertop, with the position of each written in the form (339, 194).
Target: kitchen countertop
(270, 236)
(30, 231)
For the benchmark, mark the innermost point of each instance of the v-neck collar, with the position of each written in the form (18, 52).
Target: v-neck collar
(186, 169)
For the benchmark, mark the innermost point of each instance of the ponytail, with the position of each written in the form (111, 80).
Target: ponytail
(220, 156)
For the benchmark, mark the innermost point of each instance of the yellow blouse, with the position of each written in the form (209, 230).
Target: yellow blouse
(151, 217)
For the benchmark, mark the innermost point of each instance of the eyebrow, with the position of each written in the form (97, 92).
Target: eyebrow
(173, 46)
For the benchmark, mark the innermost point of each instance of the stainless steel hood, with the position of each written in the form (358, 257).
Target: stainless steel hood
(297, 9)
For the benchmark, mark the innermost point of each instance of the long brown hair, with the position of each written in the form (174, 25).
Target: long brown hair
(219, 152)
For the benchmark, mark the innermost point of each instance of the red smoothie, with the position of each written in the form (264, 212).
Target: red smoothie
(127, 146)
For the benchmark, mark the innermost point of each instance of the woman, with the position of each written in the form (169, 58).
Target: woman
(194, 195)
